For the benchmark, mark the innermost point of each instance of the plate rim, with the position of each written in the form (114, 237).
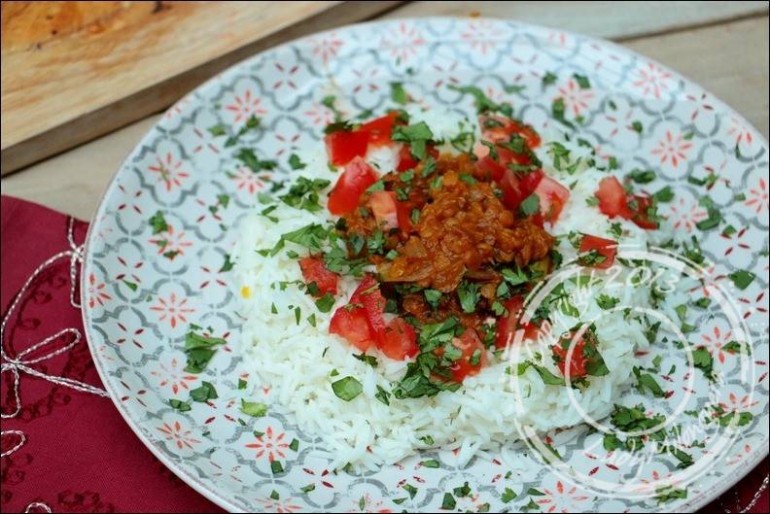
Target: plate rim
(698, 501)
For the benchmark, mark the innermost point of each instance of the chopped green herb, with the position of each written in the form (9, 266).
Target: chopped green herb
(703, 360)
(433, 297)
(549, 78)
(463, 491)
(742, 278)
(482, 101)
(398, 94)
(582, 81)
(325, 303)
(468, 294)
(296, 163)
(276, 467)
(253, 409)
(449, 502)
(199, 350)
(508, 495)
(416, 135)
(530, 205)
(303, 194)
(637, 126)
(347, 388)
(204, 393)
(179, 405)
(369, 359)
(430, 463)
(382, 395)
(251, 161)
(546, 376)
(607, 302)
(158, 223)
(642, 176)
(558, 110)
(647, 381)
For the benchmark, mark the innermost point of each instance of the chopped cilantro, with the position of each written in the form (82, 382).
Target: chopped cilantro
(179, 405)
(468, 294)
(325, 303)
(253, 409)
(607, 302)
(482, 101)
(347, 388)
(204, 393)
(398, 94)
(250, 159)
(742, 278)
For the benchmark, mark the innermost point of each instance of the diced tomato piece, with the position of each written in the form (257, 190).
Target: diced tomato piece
(498, 129)
(474, 356)
(552, 197)
(344, 145)
(314, 271)
(641, 213)
(507, 326)
(614, 201)
(612, 198)
(513, 193)
(385, 209)
(352, 325)
(406, 160)
(356, 178)
(605, 247)
(399, 341)
(529, 181)
(578, 361)
(491, 168)
(369, 296)
(380, 129)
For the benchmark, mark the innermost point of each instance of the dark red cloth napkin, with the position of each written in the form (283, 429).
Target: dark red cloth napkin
(79, 454)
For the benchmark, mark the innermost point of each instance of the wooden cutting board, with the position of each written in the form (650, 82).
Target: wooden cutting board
(72, 71)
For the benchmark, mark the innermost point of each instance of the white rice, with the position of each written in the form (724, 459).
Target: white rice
(297, 360)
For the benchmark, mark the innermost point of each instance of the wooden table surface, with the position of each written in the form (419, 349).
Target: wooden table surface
(723, 46)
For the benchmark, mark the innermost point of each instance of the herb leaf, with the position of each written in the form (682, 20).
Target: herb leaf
(347, 388)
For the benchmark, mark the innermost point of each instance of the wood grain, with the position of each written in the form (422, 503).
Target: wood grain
(611, 20)
(72, 71)
(729, 59)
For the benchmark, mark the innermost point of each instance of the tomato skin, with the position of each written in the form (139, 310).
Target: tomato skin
(368, 295)
(399, 341)
(356, 179)
(385, 209)
(507, 326)
(552, 196)
(530, 181)
(612, 198)
(468, 342)
(314, 270)
(407, 161)
(606, 247)
(380, 129)
(640, 215)
(578, 362)
(614, 201)
(513, 193)
(491, 168)
(499, 129)
(352, 325)
(343, 146)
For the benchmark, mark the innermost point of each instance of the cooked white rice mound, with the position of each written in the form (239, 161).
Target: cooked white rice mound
(299, 361)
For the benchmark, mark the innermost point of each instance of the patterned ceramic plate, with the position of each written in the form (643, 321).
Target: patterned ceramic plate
(157, 264)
